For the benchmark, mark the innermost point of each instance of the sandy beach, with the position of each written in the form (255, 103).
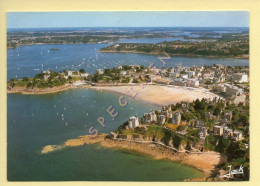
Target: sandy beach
(155, 94)
(161, 95)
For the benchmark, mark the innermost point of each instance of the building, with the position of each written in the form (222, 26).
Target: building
(99, 71)
(184, 76)
(46, 75)
(218, 130)
(84, 75)
(192, 83)
(199, 124)
(150, 117)
(176, 118)
(209, 115)
(123, 73)
(240, 77)
(220, 87)
(237, 136)
(174, 75)
(190, 74)
(203, 133)
(179, 82)
(70, 72)
(233, 90)
(228, 133)
(133, 122)
(162, 119)
(228, 116)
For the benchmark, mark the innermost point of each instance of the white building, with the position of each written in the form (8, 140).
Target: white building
(190, 74)
(237, 136)
(240, 77)
(193, 83)
(133, 122)
(184, 76)
(46, 75)
(123, 72)
(70, 72)
(99, 71)
(84, 74)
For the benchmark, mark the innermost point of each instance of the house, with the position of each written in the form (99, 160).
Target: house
(46, 75)
(179, 82)
(123, 73)
(190, 74)
(228, 116)
(168, 114)
(176, 118)
(70, 72)
(184, 76)
(133, 122)
(174, 75)
(228, 133)
(162, 119)
(233, 90)
(220, 87)
(150, 117)
(237, 136)
(218, 130)
(203, 133)
(192, 83)
(210, 116)
(99, 71)
(84, 75)
(199, 124)
(240, 77)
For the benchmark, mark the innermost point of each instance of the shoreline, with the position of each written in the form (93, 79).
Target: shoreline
(204, 162)
(25, 91)
(174, 55)
(154, 94)
(135, 52)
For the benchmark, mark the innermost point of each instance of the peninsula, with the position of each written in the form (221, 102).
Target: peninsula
(209, 135)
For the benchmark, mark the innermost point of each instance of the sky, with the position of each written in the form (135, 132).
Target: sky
(128, 19)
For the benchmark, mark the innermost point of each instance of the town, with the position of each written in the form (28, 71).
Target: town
(201, 126)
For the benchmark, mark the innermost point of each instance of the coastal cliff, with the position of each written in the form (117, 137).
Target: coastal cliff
(205, 162)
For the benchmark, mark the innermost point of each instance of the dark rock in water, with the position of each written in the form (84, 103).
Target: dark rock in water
(55, 49)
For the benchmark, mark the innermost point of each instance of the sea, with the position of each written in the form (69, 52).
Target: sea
(34, 121)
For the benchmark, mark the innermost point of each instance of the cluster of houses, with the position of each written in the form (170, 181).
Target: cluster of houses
(220, 78)
(222, 130)
(160, 117)
(218, 130)
(66, 74)
(165, 115)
